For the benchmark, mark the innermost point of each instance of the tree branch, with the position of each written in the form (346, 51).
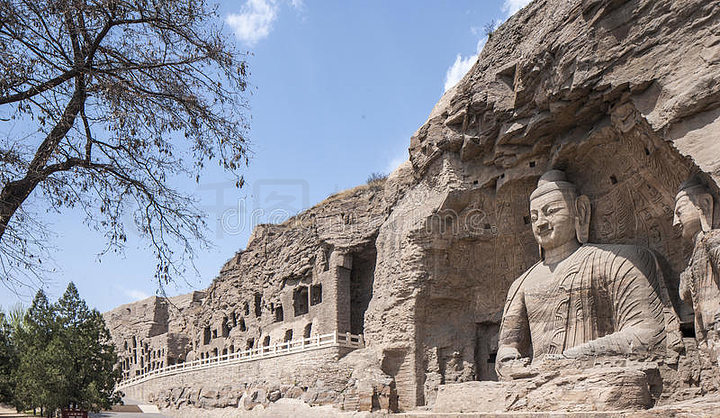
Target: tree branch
(35, 90)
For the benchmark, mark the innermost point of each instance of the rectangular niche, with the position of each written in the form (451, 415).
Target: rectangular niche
(258, 305)
(315, 294)
(300, 300)
(279, 315)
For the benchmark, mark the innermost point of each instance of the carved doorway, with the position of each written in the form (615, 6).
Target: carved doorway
(486, 346)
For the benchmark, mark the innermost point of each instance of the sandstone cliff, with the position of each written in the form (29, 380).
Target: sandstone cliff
(622, 95)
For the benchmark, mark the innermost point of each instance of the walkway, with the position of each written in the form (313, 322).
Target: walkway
(6, 411)
(291, 347)
(131, 409)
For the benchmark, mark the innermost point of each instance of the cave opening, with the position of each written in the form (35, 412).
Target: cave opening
(486, 347)
(300, 300)
(361, 286)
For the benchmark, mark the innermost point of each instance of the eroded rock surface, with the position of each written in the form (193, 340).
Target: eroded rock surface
(618, 94)
(624, 96)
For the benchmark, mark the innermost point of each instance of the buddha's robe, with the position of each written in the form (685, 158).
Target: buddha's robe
(699, 283)
(601, 300)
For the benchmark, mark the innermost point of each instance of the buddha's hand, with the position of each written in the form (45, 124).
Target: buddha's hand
(507, 354)
(577, 351)
(509, 362)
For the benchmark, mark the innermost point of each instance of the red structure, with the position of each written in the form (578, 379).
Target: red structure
(74, 413)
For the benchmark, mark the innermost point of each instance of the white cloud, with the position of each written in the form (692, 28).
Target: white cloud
(255, 20)
(135, 294)
(481, 44)
(463, 64)
(395, 162)
(297, 4)
(510, 7)
(458, 70)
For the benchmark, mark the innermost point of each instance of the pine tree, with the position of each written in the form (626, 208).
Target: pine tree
(39, 375)
(65, 357)
(92, 376)
(8, 360)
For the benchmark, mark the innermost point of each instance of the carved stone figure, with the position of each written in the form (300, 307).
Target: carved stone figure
(582, 299)
(699, 284)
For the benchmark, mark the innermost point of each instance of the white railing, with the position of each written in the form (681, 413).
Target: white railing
(290, 347)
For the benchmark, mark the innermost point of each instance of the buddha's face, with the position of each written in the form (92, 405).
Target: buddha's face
(553, 219)
(687, 216)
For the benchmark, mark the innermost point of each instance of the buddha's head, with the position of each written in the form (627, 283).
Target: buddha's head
(557, 213)
(693, 208)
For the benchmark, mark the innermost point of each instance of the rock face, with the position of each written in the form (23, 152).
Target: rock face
(153, 332)
(618, 94)
(624, 96)
(311, 275)
(350, 381)
(568, 389)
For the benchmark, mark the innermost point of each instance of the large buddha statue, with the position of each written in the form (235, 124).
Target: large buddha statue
(700, 282)
(582, 299)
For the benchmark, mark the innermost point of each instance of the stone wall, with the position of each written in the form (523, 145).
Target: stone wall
(153, 332)
(319, 377)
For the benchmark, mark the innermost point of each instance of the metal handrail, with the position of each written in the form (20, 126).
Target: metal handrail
(289, 347)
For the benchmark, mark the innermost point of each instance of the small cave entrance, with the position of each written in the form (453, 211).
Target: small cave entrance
(206, 335)
(279, 315)
(258, 305)
(486, 347)
(315, 294)
(687, 329)
(300, 300)
(395, 364)
(225, 327)
(361, 286)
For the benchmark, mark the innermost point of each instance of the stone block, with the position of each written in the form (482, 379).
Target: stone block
(576, 390)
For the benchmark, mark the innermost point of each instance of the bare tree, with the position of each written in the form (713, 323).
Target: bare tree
(490, 27)
(102, 104)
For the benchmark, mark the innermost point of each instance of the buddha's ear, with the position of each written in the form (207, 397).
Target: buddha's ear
(582, 219)
(705, 203)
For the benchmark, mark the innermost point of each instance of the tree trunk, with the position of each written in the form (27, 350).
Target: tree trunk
(14, 193)
(12, 196)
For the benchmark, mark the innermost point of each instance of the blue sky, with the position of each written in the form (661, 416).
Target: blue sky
(338, 88)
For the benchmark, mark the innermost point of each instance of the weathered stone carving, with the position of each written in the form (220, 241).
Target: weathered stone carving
(624, 95)
(582, 299)
(699, 284)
